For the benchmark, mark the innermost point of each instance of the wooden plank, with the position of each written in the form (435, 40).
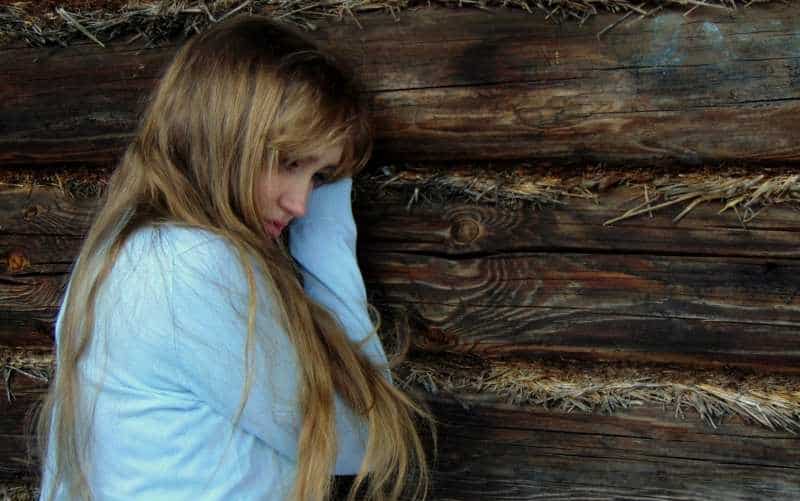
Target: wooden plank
(457, 228)
(495, 451)
(528, 283)
(28, 308)
(477, 85)
(41, 210)
(657, 308)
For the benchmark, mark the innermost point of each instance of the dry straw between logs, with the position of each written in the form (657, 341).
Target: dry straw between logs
(52, 22)
(746, 194)
(771, 401)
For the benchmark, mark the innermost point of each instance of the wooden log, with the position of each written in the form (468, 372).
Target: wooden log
(670, 310)
(28, 214)
(494, 452)
(457, 228)
(702, 311)
(40, 210)
(491, 450)
(16, 418)
(476, 85)
(28, 308)
(526, 283)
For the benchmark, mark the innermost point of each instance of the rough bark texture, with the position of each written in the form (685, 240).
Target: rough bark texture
(476, 85)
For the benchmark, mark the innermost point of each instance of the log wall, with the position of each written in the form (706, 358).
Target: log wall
(476, 85)
(493, 281)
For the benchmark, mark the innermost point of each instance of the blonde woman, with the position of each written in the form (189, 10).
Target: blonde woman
(197, 357)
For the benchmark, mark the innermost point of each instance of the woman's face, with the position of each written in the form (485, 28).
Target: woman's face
(283, 197)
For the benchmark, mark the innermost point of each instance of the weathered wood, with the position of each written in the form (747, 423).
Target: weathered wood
(43, 211)
(457, 228)
(535, 288)
(683, 310)
(385, 224)
(16, 418)
(495, 451)
(667, 309)
(37, 254)
(28, 308)
(477, 85)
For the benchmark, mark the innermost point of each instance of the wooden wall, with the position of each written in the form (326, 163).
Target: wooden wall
(499, 91)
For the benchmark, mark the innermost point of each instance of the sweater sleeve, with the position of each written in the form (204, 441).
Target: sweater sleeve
(209, 302)
(324, 245)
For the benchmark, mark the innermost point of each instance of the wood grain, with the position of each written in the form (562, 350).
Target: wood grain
(490, 450)
(494, 452)
(474, 85)
(455, 228)
(547, 282)
(27, 214)
(669, 309)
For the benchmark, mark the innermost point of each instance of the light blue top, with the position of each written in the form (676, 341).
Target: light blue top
(168, 363)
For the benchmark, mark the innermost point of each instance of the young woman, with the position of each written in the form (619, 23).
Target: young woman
(197, 357)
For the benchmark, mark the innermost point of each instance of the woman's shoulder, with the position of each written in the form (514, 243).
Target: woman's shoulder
(158, 253)
(175, 245)
(172, 239)
(188, 254)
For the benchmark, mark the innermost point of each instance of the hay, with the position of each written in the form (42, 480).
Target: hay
(511, 188)
(750, 194)
(35, 363)
(79, 183)
(772, 401)
(769, 400)
(19, 492)
(60, 23)
(745, 194)
(514, 188)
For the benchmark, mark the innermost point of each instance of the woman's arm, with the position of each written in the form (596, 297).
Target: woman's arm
(208, 297)
(324, 245)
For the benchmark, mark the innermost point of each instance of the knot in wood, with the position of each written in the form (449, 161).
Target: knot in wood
(31, 212)
(16, 262)
(465, 230)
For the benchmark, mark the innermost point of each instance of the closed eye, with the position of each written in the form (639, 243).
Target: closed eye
(321, 178)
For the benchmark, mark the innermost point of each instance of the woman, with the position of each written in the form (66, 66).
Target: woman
(192, 363)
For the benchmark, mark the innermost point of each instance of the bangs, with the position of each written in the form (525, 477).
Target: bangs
(356, 149)
(347, 127)
(322, 108)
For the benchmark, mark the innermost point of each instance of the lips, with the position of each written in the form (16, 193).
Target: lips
(274, 228)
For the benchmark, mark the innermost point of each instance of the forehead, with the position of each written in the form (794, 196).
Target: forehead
(329, 155)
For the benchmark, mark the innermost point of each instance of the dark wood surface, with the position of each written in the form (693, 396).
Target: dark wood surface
(493, 452)
(550, 282)
(452, 228)
(490, 450)
(475, 84)
(668, 309)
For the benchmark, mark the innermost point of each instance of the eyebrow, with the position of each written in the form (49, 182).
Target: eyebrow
(314, 158)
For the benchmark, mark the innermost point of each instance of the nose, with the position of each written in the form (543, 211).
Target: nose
(294, 200)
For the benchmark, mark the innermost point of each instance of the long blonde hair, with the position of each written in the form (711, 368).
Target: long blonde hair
(235, 100)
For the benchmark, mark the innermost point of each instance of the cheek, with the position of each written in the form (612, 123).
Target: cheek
(263, 194)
